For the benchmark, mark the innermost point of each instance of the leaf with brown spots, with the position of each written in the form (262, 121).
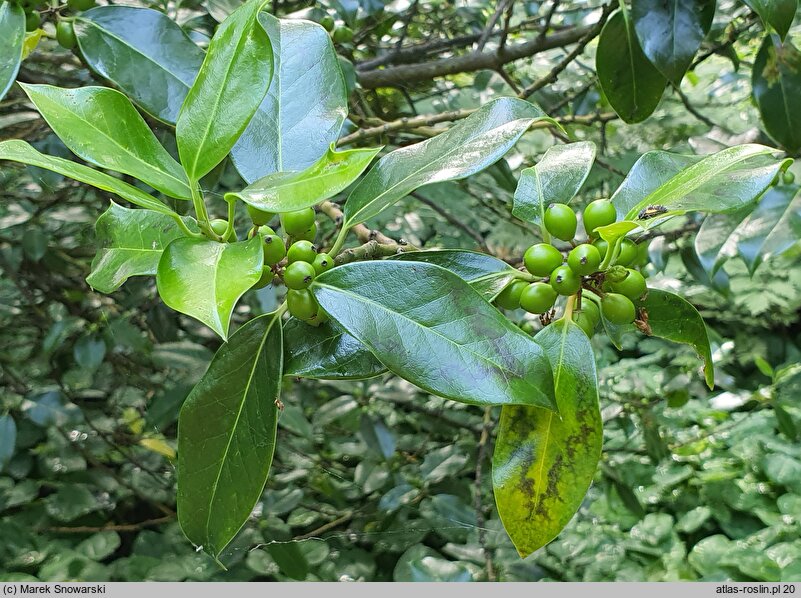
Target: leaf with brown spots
(544, 462)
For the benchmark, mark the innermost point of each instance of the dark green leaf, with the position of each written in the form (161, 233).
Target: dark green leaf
(101, 126)
(291, 191)
(304, 109)
(12, 34)
(428, 326)
(8, 439)
(486, 274)
(204, 279)
(556, 178)
(289, 559)
(89, 352)
(34, 244)
(226, 435)
(326, 352)
(630, 82)
(772, 228)
(544, 462)
(716, 240)
(779, 14)
(228, 90)
(49, 409)
(670, 33)
(129, 46)
(377, 436)
(776, 84)
(20, 151)
(468, 147)
(131, 244)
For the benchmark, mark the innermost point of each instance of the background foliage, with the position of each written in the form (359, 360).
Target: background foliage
(375, 480)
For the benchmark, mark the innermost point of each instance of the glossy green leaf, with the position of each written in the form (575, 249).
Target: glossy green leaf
(12, 35)
(143, 52)
(426, 325)
(204, 279)
(466, 148)
(716, 240)
(131, 244)
(544, 462)
(304, 109)
(289, 191)
(721, 182)
(612, 232)
(228, 90)
(670, 33)
(556, 178)
(326, 352)
(486, 274)
(779, 14)
(630, 82)
(8, 439)
(776, 85)
(226, 435)
(772, 228)
(20, 151)
(101, 126)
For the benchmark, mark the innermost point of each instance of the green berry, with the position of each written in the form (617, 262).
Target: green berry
(322, 263)
(298, 222)
(632, 286)
(561, 221)
(584, 259)
(618, 309)
(274, 249)
(628, 253)
(80, 5)
(564, 281)
(342, 35)
(301, 251)
(509, 298)
(602, 247)
(598, 213)
(219, 226)
(65, 35)
(542, 258)
(299, 275)
(32, 21)
(642, 255)
(591, 310)
(309, 234)
(538, 297)
(259, 217)
(585, 322)
(327, 22)
(301, 304)
(788, 177)
(267, 276)
(266, 230)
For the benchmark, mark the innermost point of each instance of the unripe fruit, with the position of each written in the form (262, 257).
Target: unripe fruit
(274, 249)
(537, 298)
(585, 322)
(309, 234)
(628, 253)
(32, 21)
(266, 230)
(642, 255)
(343, 35)
(301, 304)
(267, 276)
(591, 310)
(259, 217)
(542, 258)
(600, 212)
(219, 226)
(509, 298)
(564, 281)
(584, 259)
(788, 177)
(65, 35)
(298, 275)
(561, 221)
(80, 5)
(327, 22)
(301, 251)
(322, 263)
(632, 286)
(602, 247)
(298, 222)
(618, 309)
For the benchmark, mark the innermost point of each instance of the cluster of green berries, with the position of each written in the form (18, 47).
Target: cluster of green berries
(340, 34)
(612, 280)
(295, 261)
(65, 34)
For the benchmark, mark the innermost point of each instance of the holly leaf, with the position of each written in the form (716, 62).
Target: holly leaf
(226, 435)
(775, 83)
(426, 325)
(544, 462)
(779, 14)
(204, 279)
